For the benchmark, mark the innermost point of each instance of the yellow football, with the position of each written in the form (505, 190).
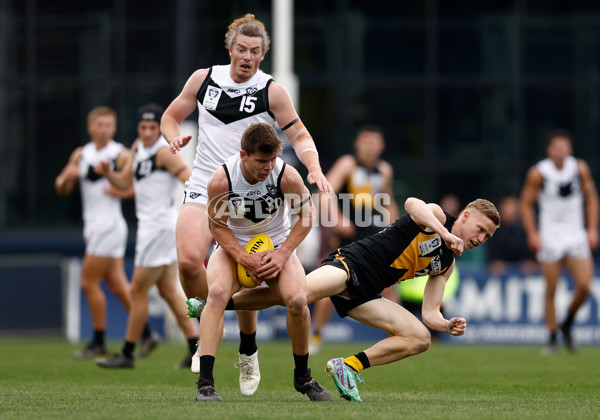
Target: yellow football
(259, 243)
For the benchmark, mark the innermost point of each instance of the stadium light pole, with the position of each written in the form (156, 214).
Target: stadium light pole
(283, 47)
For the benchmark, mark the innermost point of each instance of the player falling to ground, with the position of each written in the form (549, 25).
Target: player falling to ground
(248, 195)
(153, 172)
(104, 228)
(564, 190)
(229, 98)
(422, 242)
(361, 181)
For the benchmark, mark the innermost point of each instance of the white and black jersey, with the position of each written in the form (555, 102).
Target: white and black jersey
(153, 186)
(256, 208)
(225, 110)
(98, 206)
(560, 199)
(104, 227)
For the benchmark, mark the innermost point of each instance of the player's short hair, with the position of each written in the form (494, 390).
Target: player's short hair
(150, 112)
(371, 128)
(559, 132)
(261, 137)
(250, 26)
(486, 208)
(100, 111)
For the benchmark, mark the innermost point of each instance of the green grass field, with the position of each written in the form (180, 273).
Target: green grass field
(40, 379)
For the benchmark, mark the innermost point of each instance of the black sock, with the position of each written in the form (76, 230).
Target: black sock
(363, 359)
(229, 306)
(127, 350)
(248, 343)
(206, 368)
(99, 337)
(301, 366)
(192, 344)
(146, 332)
(553, 337)
(568, 321)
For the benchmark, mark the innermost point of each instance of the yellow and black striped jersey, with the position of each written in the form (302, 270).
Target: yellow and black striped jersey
(399, 252)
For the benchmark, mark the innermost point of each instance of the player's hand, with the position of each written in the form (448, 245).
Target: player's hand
(102, 168)
(272, 264)
(178, 142)
(454, 243)
(319, 179)
(456, 326)
(252, 262)
(534, 242)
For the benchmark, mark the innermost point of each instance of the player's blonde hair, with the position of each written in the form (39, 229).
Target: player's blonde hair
(486, 208)
(250, 26)
(100, 111)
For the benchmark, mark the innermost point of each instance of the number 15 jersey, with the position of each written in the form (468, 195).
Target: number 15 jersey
(225, 110)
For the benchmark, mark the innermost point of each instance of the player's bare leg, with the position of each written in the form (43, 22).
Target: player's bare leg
(551, 273)
(582, 271)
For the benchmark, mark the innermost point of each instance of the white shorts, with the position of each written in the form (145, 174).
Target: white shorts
(195, 194)
(573, 245)
(106, 240)
(155, 247)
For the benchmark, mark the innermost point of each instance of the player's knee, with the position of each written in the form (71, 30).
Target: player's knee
(189, 264)
(423, 342)
(296, 305)
(137, 291)
(217, 295)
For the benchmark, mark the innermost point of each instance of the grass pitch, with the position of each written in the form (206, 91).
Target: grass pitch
(40, 379)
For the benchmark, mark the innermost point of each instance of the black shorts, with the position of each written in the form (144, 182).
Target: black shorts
(358, 295)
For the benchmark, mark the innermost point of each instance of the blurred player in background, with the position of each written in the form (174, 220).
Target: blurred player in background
(359, 180)
(104, 227)
(153, 172)
(263, 187)
(564, 190)
(422, 242)
(509, 247)
(229, 98)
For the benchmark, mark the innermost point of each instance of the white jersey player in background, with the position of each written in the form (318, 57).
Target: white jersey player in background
(230, 98)
(104, 228)
(564, 190)
(154, 172)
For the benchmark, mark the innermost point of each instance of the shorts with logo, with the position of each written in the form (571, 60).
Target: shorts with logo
(358, 294)
(573, 245)
(196, 194)
(155, 247)
(104, 240)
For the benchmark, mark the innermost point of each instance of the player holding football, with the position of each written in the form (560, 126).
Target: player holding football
(247, 195)
(422, 242)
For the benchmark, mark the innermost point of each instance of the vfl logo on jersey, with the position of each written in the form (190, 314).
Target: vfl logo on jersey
(237, 206)
(251, 91)
(427, 247)
(211, 97)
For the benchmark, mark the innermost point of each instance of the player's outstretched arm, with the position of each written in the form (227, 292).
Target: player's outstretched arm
(432, 218)
(182, 106)
(432, 302)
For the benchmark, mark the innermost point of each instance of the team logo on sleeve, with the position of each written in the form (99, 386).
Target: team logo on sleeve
(211, 98)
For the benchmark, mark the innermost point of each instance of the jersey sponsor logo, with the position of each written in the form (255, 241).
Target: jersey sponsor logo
(427, 247)
(211, 97)
(231, 90)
